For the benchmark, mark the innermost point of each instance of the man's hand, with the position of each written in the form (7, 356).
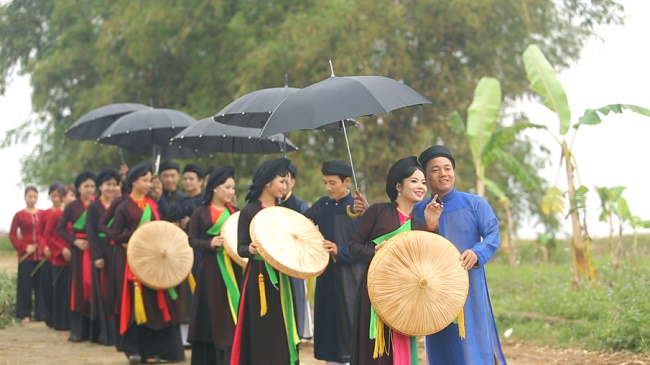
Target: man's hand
(468, 259)
(156, 190)
(360, 203)
(331, 248)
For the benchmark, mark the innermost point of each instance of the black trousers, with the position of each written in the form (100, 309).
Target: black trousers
(28, 297)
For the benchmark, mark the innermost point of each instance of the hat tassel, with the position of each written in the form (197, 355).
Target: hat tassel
(380, 343)
(192, 282)
(140, 313)
(262, 287)
(461, 323)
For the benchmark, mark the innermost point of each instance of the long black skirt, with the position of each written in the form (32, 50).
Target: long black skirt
(61, 298)
(46, 292)
(28, 295)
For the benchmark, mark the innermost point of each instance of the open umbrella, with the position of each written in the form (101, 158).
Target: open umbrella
(254, 109)
(339, 98)
(92, 124)
(206, 137)
(152, 128)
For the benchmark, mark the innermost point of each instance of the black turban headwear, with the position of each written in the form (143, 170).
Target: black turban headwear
(217, 177)
(293, 171)
(433, 152)
(195, 169)
(169, 165)
(137, 172)
(398, 172)
(336, 167)
(211, 169)
(107, 174)
(264, 174)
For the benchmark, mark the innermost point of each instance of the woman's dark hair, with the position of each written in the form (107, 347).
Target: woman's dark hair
(408, 173)
(64, 189)
(31, 188)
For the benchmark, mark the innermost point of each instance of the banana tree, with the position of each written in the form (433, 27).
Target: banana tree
(486, 142)
(544, 81)
(636, 223)
(608, 198)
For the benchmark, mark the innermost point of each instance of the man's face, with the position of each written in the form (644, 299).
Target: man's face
(191, 182)
(170, 179)
(336, 189)
(440, 176)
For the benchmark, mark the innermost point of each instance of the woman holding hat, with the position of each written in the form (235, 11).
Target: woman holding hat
(263, 336)
(80, 263)
(405, 186)
(101, 255)
(158, 336)
(216, 298)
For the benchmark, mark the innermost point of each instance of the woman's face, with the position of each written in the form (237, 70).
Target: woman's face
(277, 187)
(31, 197)
(413, 188)
(69, 197)
(225, 192)
(109, 189)
(142, 184)
(55, 198)
(87, 189)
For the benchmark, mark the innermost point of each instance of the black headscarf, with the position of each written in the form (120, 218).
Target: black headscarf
(137, 172)
(433, 152)
(217, 177)
(264, 174)
(402, 169)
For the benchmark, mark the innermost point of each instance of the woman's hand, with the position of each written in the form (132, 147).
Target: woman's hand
(66, 254)
(99, 263)
(81, 244)
(252, 248)
(217, 241)
(47, 252)
(31, 248)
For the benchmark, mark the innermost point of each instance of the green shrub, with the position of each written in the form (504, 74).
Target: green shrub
(7, 299)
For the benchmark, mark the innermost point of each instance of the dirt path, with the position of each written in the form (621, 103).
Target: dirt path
(33, 343)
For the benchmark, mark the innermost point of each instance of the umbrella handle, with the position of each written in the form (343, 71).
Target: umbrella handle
(349, 211)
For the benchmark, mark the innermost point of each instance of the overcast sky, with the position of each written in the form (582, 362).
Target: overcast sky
(613, 153)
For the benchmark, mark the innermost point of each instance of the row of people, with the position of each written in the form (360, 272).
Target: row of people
(227, 330)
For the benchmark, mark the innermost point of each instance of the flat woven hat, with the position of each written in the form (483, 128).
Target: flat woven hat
(160, 255)
(416, 283)
(229, 233)
(289, 242)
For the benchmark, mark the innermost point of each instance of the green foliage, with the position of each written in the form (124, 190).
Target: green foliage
(553, 201)
(592, 117)
(5, 244)
(482, 117)
(197, 56)
(544, 81)
(7, 299)
(541, 305)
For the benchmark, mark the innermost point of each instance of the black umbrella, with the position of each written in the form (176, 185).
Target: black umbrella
(254, 109)
(150, 127)
(206, 137)
(92, 124)
(339, 98)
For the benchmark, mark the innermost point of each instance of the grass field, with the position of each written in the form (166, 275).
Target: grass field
(537, 301)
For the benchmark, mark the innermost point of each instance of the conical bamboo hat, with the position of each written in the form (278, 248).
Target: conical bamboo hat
(160, 255)
(289, 242)
(229, 233)
(416, 283)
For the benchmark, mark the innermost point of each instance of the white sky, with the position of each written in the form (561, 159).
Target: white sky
(612, 153)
